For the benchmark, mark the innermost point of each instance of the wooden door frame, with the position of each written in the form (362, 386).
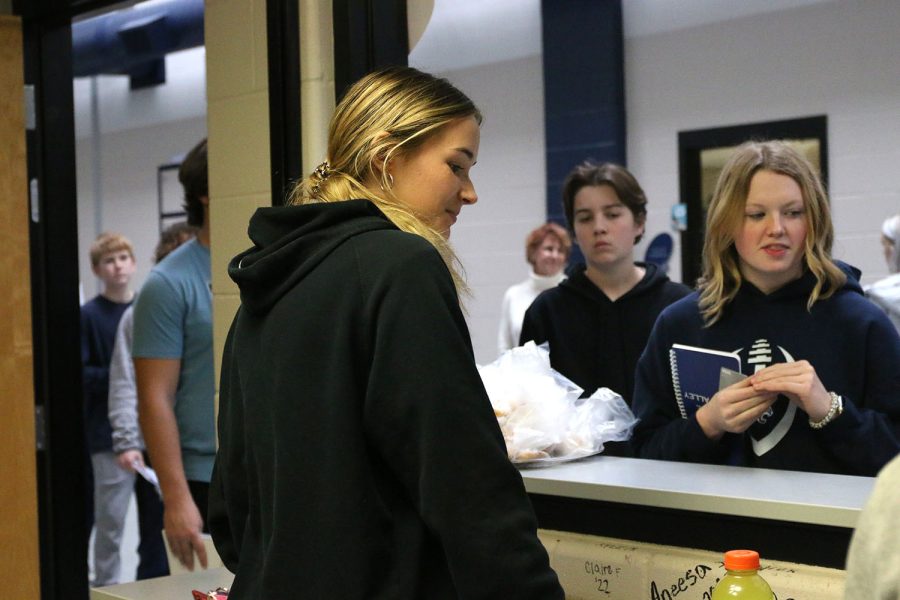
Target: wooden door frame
(53, 232)
(19, 547)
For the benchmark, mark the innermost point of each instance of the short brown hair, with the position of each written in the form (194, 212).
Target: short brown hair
(615, 176)
(109, 242)
(537, 237)
(193, 175)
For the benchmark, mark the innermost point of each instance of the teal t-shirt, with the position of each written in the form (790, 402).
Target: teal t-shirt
(173, 319)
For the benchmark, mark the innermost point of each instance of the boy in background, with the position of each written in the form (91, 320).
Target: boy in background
(112, 261)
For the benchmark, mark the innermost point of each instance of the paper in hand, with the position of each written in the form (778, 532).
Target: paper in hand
(148, 474)
(728, 377)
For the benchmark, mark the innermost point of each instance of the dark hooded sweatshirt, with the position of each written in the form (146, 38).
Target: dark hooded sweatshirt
(594, 341)
(359, 455)
(849, 342)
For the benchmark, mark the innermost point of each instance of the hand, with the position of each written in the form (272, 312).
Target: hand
(733, 409)
(799, 382)
(129, 458)
(182, 523)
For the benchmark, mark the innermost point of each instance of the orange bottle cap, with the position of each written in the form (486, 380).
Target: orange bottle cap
(741, 560)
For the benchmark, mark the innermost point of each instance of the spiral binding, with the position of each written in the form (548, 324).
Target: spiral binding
(676, 384)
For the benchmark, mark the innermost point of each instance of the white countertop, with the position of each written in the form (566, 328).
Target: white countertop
(815, 498)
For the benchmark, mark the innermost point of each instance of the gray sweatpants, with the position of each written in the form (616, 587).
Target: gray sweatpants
(113, 487)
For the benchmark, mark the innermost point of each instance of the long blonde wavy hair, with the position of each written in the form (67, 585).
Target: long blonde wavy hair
(387, 113)
(721, 272)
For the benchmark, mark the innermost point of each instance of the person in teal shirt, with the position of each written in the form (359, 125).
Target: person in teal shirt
(173, 360)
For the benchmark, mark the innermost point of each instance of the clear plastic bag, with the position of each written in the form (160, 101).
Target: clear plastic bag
(542, 418)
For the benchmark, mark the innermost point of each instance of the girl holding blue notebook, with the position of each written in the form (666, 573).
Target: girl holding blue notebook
(822, 391)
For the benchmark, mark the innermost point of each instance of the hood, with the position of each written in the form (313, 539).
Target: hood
(803, 286)
(578, 282)
(290, 241)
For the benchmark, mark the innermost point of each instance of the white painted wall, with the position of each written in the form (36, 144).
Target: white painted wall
(841, 59)
(836, 58)
(510, 179)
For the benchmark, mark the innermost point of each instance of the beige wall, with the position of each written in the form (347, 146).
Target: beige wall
(238, 123)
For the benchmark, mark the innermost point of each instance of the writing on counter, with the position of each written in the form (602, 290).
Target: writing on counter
(690, 578)
(602, 574)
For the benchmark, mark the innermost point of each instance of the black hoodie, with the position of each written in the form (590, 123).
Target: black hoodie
(849, 342)
(359, 456)
(594, 341)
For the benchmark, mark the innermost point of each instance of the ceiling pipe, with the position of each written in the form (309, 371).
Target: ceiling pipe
(135, 41)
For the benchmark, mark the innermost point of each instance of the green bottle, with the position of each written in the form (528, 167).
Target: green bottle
(742, 581)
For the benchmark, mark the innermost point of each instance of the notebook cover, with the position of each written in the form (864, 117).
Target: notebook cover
(695, 374)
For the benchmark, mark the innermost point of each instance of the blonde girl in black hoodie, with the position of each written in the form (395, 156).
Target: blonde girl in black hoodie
(359, 455)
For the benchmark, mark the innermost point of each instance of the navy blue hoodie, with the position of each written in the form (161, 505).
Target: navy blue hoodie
(849, 341)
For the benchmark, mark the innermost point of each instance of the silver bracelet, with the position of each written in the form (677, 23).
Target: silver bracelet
(837, 407)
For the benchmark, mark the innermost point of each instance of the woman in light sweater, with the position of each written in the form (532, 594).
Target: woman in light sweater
(547, 249)
(886, 292)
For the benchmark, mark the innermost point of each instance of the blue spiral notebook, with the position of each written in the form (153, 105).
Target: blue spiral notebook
(695, 374)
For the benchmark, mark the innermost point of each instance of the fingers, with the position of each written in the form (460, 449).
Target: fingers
(127, 459)
(798, 381)
(739, 408)
(200, 549)
(743, 383)
(184, 548)
(794, 371)
(731, 409)
(741, 415)
(182, 523)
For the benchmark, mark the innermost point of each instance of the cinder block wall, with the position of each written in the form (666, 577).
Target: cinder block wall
(238, 122)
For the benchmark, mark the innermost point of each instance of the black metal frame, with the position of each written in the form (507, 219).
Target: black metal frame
(165, 215)
(54, 296)
(368, 34)
(282, 25)
(692, 143)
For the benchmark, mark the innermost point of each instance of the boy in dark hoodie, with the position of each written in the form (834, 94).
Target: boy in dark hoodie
(112, 261)
(823, 389)
(598, 320)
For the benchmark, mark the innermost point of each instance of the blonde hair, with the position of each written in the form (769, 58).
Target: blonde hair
(108, 242)
(721, 272)
(386, 114)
